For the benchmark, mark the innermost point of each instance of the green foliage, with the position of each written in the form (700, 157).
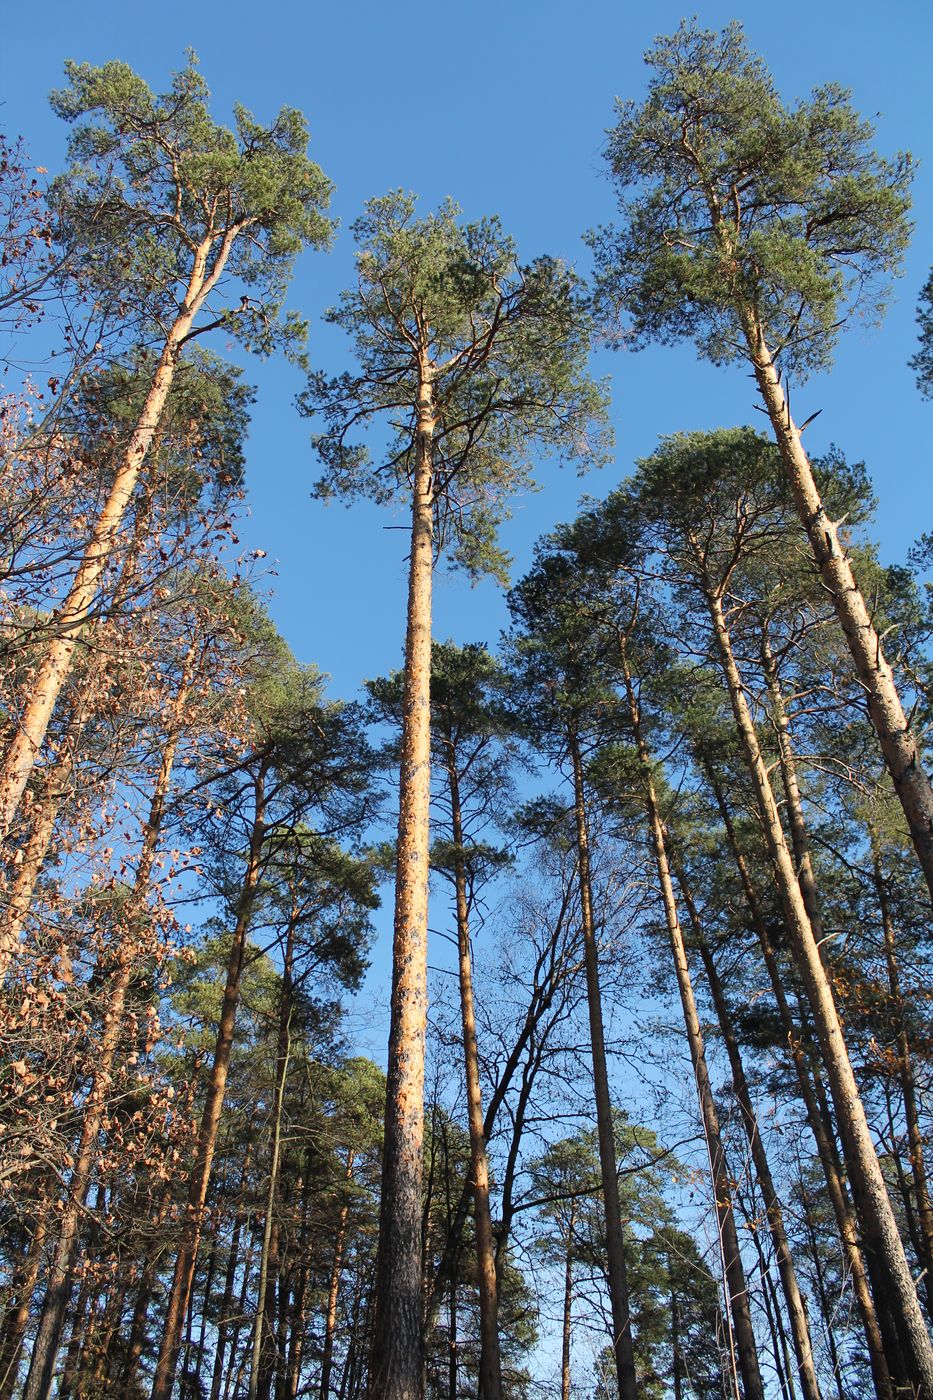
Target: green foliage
(153, 179)
(733, 203)
(504, 346)
(922, 362)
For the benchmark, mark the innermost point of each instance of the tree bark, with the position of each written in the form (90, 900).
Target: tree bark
(490, 1375)
(876, 1217)
(396, 1368)
(905, 1070)
(845, 1223)
(793, 1299)
(281, 1075)
(623, 1342)
(568, 1313)
(17, 1318)
(333, 1289)
(210, 1118)
(71, 618)
(898, 743)
(51, 1325)
(733, 1268)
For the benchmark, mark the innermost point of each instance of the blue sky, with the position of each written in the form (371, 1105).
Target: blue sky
(503, 106)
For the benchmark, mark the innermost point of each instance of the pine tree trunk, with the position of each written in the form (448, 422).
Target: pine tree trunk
(490, 1377)
(568, 1313)
(879, 1227)
(17, 1318)
(898, 743)
(210, 1117)
(623, 1342)
(226, 1305)
(845, 1224)
(905, 1069)
(733, 1268)
(793, 1299)
(826, 1307)
(281, 1075)
(396, 1368)
(71, 618)
(333, 1289)
(48, 1338)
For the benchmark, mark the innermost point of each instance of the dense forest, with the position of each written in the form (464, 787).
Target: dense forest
(663, 1126)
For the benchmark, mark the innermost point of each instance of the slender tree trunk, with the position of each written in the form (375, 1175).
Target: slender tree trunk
(845, 1223)
(733, 1268)
(48, 1338)
(282, 1058)
(879, 1227)
(226, 1305)
(213, 1105)
(898, 743)
(17, 1318)
(794, 1301)
(905, 1070)
(800, 844)
(826, 1307)
(72, 616)
(623, 1342)
(490, 1377)
(396, 1368)
(333, 1290)
(677, 1358)
(568, 1313)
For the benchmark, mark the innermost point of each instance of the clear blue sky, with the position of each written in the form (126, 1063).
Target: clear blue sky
(503, 106)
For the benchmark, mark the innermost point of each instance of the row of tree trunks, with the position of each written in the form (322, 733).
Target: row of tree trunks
(739, 1310)
(884, 1249)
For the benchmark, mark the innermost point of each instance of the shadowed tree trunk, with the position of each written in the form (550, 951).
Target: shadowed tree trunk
(210, 1118)
(490, 1379)
(48, 1338)
(793, 1299)
(733, 1269)
(623, 1342)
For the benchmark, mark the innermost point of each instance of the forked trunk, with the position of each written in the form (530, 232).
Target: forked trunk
(396, 1368)
(884, 1248)
(623, 1342)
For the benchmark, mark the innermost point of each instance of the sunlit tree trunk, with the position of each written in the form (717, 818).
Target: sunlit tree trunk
(71, 618)
(898, 743)
(879, 1228)
(17, 1318)
(845, 1223)
(905, 1070)
(396, 1368)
